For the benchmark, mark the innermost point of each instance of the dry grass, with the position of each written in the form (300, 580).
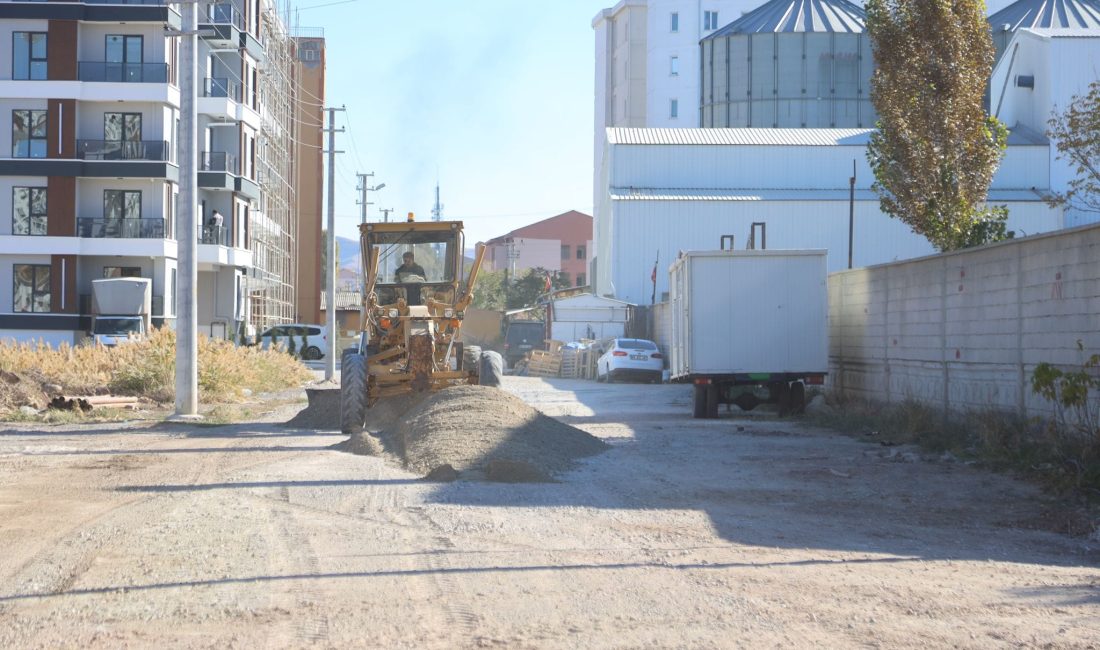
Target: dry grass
(147, 368)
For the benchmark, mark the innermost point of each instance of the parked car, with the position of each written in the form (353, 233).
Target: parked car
(307, 341)
(520, 338)
(630, 358)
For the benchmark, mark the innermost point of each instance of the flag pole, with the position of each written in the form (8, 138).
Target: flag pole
(653, 278)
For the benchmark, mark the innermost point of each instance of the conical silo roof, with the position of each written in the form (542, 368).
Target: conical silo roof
(1048, 14)
(798, 16)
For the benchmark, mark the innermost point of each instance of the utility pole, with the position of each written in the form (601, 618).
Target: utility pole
(363, 195)
(330, 294)
(386, 212)
(187, 324)
(437, 209)
(851, 211)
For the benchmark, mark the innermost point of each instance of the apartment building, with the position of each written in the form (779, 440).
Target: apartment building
(89, 176)
(561, 243)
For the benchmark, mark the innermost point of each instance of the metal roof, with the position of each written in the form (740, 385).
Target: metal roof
(774, 137)
(1048, 14)
(740, 194)
(797, 16)
(345, 300)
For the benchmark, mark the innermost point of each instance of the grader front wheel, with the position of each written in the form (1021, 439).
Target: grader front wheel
(353, 392)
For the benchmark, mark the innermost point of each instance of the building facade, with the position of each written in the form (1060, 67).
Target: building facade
(89, 176)
(309, 71)
(672, 190)
(562, 243)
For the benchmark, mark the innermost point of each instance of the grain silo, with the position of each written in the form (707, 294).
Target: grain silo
(1044, 14)
(789, 63)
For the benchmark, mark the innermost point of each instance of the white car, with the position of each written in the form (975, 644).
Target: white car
(631, 358)
(307, 341)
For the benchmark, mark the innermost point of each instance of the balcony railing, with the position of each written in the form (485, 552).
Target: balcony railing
(218, 161)
(217, 235)
(123, 72)
(222, 87)
(156, 3)
(224, 13)
(155, 150)
(120, 228)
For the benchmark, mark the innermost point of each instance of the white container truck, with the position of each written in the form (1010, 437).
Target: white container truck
(749, 326)
(121, 309)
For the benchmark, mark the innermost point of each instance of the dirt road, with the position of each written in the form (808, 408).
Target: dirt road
(686, 533)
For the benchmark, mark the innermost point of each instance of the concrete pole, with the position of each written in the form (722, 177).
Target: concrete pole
(187, 344)
(330, 272)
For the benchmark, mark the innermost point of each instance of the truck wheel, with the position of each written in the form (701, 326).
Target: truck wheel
(712, 401)
(492, 369)
(798, 398)
(312, 353)
(700, 407)
(780, 394)
(353, 392)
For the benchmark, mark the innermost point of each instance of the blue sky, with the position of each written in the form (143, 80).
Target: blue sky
(497, 95)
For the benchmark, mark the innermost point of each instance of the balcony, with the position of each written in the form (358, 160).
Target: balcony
(221, 87)
(222, 25)
(105, 71)
(214, 236)
(218, 161)
(110, 11)
(120, 228)
(151, 150)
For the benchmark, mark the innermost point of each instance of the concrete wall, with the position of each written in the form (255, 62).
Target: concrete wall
(965, 330)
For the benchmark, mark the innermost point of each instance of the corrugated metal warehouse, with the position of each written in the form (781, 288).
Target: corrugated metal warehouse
(667, 190)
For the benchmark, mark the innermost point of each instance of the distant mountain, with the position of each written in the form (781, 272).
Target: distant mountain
(348, 252)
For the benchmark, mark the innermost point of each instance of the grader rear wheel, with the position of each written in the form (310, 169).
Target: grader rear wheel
(492, 369)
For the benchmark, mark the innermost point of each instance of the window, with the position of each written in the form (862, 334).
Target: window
(28, 211)
(122, 272)
(122, 135)
(563, 277)
(32, 288)
(580, 279)
(121, 204)
(580, 252)
(124, 57)
(710, 20)
(674, 22)
(673, 108)
(172, 296)
(674, 66)
(28, 56)
(28, 134)
(565, 252)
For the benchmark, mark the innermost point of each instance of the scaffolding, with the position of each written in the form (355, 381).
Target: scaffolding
(274, 229)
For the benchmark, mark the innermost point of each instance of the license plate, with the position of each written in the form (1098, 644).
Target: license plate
(639, 357)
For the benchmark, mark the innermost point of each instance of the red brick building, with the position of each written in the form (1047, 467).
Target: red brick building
(562, 243)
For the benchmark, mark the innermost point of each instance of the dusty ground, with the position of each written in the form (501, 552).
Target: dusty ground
(686, 533)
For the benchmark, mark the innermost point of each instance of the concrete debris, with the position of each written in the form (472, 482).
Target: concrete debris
(818, 406)
(28, 410)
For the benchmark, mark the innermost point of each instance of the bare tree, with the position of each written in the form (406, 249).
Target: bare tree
(1076, 132)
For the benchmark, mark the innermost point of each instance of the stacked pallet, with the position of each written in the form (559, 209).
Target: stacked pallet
(544, 364)
(572, 362)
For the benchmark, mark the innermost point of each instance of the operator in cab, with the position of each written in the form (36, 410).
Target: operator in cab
(409, 271)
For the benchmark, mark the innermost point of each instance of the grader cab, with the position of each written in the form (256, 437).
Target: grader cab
(414, 300)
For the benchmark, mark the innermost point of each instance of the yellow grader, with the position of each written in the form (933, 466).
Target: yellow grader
(413, 302)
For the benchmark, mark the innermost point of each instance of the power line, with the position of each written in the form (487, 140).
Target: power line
(327, 4)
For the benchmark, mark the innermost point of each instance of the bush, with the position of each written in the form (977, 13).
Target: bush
(148, 368)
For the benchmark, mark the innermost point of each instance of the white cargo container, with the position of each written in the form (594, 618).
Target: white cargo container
(121, 309)
(743, 321)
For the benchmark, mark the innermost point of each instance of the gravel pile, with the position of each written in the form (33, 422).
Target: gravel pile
(479, 431)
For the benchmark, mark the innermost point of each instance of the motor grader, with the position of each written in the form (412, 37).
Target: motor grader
(411, 317)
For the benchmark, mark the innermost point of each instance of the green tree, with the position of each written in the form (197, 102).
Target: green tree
(1076, 132)
(935, 150)
(489, 290)
(525, 291)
